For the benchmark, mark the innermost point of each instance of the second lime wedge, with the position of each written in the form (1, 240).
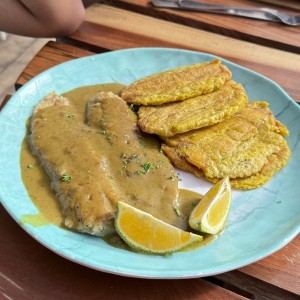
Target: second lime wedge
(210, 214)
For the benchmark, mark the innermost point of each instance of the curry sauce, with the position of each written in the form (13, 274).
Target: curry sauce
(136, 178)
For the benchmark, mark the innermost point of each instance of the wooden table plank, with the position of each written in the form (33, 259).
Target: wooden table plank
(260, 289)
(265, 33)
(265, 269)
(275, 277)
(282, 269)
(292, 4)
(5, 100)
(135, 30)
(31, 271)
(52, 54)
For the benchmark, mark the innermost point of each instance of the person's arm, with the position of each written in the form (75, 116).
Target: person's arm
(41, 18)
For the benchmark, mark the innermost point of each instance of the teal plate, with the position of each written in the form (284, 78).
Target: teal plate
(260, 222)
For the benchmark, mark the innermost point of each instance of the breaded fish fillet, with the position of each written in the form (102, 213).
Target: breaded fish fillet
(177, 84)
(237, 147)
(172, 118)
(93, 166)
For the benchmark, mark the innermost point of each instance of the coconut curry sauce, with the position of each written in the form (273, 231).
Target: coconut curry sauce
(108, 154)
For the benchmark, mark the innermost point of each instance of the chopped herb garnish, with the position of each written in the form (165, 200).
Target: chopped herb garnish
(179, 179)
(101, 131)
(194, 204)
(126, 159)
(177, 211)
(66, 178)
(123, 156)
(110, 177)
(30, 166)
(130, 173)
(133, 156)
(147, 167)
(70, 116)
(134, 197)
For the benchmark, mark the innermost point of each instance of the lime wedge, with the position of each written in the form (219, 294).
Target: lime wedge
(211, 212)
(145, 233)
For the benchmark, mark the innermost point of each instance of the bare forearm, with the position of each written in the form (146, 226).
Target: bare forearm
(41, 17)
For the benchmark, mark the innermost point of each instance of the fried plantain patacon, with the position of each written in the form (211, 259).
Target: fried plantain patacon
(177, 84)
(249, 147)
(201, 111)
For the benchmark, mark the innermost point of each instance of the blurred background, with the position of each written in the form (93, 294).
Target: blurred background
(15, 53)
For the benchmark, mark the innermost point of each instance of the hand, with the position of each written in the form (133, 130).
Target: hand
(42, 18)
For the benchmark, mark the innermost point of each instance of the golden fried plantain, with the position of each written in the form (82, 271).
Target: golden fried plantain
(205, 110)
(179, 161)
(177, 84)
(275, 162)
(238, 147)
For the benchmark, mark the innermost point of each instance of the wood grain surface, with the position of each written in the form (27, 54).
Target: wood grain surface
(291, 4)
(121, 29)
(266, 33)
(268, 270)
(52, 54)
(29, 271)
(282, 269)
(5, 100)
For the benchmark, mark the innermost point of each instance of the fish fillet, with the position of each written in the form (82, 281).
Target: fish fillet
(94, 165)
(177, 84)
(172, 118)
(237, 147)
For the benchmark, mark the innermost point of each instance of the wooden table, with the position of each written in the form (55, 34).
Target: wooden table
(30, 271)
